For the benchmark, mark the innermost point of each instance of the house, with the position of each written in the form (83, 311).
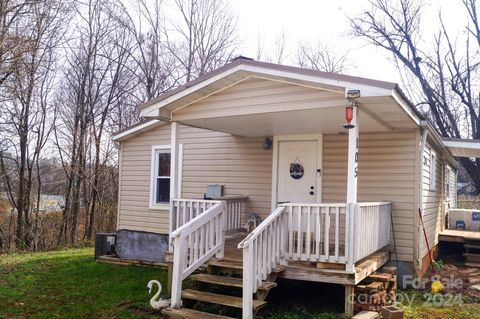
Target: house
(328, 162)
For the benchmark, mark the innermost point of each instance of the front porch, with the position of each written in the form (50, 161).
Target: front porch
(333, 243)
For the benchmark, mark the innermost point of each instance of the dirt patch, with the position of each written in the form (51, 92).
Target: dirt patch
(469, 277)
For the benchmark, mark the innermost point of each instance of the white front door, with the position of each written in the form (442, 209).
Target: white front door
(298, 171)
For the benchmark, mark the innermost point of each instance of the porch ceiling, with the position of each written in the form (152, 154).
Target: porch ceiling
(376, 114)
(326, 120)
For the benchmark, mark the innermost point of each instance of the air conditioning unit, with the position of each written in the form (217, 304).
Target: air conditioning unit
(105, 244)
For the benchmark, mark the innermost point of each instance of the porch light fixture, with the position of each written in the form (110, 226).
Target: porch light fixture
(267, 143)
(349, 117)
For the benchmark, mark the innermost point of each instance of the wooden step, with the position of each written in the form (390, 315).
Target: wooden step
(229, 281)
(471, 246)
(185, 313)
(223, 300)
(477, 265)
(472, 258)
(225, 264)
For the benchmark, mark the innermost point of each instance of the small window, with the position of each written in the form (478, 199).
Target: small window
(433, 171)
(447, 182)
(160, 184)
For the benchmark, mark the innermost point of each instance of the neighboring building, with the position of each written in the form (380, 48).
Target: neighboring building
(218, 129)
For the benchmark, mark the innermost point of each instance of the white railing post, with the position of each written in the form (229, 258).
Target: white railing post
(171, 226)
(177, 275)
(351, 211)
(248, 278)
(221, 232)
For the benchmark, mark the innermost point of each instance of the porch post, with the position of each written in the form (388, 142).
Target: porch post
(174, 153)
(352, 189)
(174, 145)
(352, 160)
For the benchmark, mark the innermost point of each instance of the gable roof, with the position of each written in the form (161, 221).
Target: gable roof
(242, 61)
(241, 69)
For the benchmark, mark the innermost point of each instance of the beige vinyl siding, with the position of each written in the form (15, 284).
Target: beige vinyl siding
(241, 164)
(254, 94)
(386, 172)
(134, 188)
(452, 180)
(432, 199)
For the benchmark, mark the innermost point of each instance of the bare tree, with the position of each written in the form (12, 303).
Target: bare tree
(444, 77)
(318, 56)
(28, 90)
(13, 42)
(278, 51)
(204, 39)
(96, 81)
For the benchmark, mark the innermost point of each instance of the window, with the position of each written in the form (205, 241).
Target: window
(160, 179)
(447, 182)
(433, 171)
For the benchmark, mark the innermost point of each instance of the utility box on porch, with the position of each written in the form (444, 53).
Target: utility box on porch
(464, 219)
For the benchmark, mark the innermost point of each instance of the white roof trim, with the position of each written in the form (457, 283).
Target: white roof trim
(152, 110)
(134, 130)
(405, 106)
(463, 147)
(367, 90)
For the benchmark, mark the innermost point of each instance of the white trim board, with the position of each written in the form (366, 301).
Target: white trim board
(307, 137)
(134, 130)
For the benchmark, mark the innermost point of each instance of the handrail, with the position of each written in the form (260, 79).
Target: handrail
(184, 210)
(263, 250)
(362, 204)
(197, 222)
(257, 231)
(194, 243)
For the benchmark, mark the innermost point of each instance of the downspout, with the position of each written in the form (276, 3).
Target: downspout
(420, 189)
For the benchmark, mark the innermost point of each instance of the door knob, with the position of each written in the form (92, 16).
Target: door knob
(312, 188)
(312, 192)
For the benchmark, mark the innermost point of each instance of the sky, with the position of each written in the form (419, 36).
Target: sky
(326, 21)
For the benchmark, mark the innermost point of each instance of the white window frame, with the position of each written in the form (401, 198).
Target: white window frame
(157, 149)
(448, 186)
(433, 170)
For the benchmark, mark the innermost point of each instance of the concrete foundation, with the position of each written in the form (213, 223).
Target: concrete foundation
(139, 245)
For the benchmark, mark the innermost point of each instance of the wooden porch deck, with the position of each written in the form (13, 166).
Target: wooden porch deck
(458, 236)
(308, 271)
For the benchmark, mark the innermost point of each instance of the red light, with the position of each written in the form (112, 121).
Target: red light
(349, 114)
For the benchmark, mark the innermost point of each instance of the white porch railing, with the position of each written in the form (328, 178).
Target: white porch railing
(316, 232)
(371, 228)
(263, 249)
(195, 242)
(184, 210)
(336, 233)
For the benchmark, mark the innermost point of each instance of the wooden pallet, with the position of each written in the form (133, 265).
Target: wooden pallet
(376, 291)
(472, 252)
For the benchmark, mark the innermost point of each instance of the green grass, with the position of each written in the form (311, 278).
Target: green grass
(70, 284)
(419, 305)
